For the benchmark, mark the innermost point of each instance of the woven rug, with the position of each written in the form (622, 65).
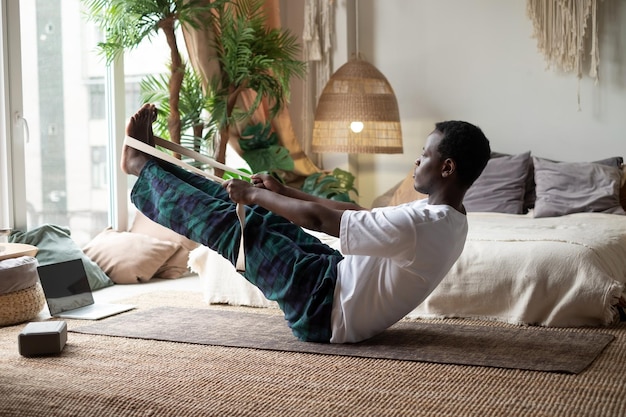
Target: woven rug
(525, 348)
(125, 377)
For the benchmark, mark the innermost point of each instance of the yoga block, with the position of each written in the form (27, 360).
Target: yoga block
(42, 338)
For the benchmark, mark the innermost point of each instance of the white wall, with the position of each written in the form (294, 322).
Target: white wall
(476, 60)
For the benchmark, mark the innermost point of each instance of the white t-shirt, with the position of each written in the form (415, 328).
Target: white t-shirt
(394, 257)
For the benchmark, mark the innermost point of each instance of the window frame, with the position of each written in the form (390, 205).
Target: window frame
(14, 133)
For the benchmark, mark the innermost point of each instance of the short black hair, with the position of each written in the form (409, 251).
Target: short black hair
(467, 145)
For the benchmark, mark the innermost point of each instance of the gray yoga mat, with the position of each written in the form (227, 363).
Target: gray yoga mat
(528, 348)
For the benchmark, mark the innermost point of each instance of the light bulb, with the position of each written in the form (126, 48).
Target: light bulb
(356, 127)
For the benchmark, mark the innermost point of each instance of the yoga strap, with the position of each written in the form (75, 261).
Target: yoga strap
(153, 151)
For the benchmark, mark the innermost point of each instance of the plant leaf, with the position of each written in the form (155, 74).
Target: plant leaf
(336, 186)
(269, 159)
(259, 136)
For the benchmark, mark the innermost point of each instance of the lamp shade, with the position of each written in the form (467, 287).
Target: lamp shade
(357, 112)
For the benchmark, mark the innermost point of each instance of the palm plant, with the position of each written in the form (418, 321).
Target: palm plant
(127, 23)
(196, 131)
(251, 57)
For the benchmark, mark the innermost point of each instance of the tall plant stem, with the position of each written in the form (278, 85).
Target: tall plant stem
(220, 155)
(176, 80)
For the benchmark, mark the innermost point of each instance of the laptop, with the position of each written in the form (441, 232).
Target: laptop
(68, 294)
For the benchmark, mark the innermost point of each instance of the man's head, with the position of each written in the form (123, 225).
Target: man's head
(454, 148)
(467, 146)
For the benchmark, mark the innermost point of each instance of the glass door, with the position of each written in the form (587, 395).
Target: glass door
(68, 151)
(64, 106)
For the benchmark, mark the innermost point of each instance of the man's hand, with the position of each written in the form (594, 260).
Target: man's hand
(239, 191)
(268, 182)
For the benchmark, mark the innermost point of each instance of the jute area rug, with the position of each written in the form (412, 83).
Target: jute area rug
(117, 376)
(526, 348)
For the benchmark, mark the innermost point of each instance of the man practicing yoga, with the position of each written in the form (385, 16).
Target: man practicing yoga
(391, 258)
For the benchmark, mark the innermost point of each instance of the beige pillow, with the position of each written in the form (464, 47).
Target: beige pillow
(406, 193)
(176, 266)
(129, 258)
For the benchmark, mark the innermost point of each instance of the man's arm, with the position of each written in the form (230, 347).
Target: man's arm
(296, 206)
(271, 183)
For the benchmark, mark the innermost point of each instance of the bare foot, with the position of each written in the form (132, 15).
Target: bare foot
(139, 127)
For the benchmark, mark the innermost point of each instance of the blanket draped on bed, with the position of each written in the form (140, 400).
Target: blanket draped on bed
(556, 271)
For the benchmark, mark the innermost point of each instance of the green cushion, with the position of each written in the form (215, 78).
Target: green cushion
(54, 245)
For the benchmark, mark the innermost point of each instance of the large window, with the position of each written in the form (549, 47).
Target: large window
(64, 138)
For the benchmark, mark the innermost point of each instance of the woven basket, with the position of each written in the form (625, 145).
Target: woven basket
(20, 306)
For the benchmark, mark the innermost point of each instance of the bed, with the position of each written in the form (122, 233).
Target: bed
(546, 246)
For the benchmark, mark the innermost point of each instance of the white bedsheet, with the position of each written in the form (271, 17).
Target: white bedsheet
(559, 271)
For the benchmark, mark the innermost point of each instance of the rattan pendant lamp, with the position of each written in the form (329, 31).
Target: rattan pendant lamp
(357, 111)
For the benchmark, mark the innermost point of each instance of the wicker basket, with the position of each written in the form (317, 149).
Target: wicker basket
(20, 306)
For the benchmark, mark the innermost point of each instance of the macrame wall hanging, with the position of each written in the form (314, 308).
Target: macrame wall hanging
(316, 48)
(561, 27)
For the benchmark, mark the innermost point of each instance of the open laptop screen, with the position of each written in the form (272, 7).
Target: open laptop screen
(65, 285)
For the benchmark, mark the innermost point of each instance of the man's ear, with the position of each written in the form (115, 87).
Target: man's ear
(448, 167)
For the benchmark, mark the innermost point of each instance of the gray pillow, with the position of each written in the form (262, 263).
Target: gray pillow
(54, 244)
(529, 192)
(529, 199)
(501, 186)
(576, 187)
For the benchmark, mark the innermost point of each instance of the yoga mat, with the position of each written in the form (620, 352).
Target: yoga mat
(528, 348)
